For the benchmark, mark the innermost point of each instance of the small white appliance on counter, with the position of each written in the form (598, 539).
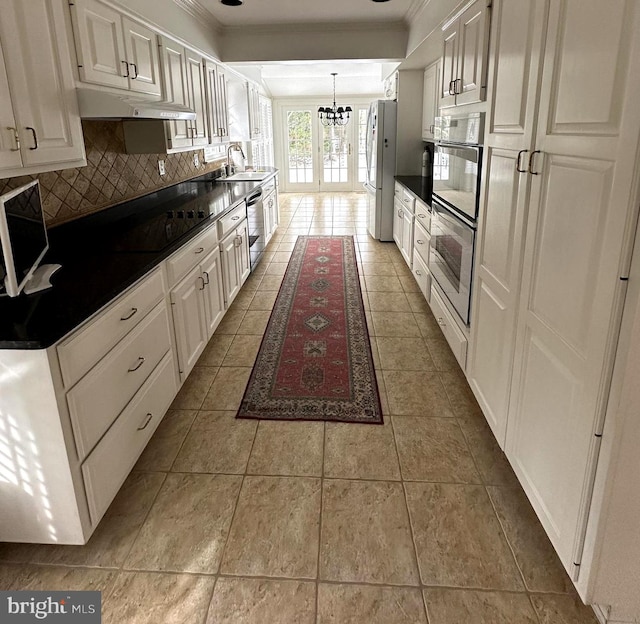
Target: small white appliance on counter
(381, 167)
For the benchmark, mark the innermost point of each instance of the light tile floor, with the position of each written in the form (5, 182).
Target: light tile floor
(231, 521)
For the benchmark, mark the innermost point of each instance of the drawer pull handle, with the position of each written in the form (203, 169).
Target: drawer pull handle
(199, 250)
(146, 422)
(420, 242)
(406, 201)
(441, 322)
(235, 218)
(422, 216)
(130, 315)
(137, 366)
(418, 272)
(237, 241)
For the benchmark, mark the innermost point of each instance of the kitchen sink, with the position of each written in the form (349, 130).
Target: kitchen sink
(245, 176)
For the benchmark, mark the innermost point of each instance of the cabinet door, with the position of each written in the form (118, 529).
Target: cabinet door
(213, 292)
(197, 98)
(230, 272)
(449, 66)
(100, 44)
(9, 139)
(222, 104)
(576, 243)
(472, 49)
(254, 111)
(189, 320)
(430, 100)
(175, 88)
(518, 30)
(242, 251)
(41, 82)
(397, 222)
(141, 45)
(407, 236)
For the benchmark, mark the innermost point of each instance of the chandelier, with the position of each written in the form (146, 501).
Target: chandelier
(334, 115)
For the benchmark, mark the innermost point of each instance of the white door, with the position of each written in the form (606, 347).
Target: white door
(449, 66)
(587, 140)
(337, 165)
(141, 45)
(41, 84)
(299, 153)
(213, 293)
(513, 76)
(100, 44)
(175, 83)
(189, 318)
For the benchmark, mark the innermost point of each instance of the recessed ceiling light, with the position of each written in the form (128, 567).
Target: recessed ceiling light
(239, 2)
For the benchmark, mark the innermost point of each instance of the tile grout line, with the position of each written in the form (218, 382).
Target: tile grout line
(318, 561)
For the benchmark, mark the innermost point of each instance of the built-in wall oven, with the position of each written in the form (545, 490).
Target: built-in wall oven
(451, 256)
(457, 165)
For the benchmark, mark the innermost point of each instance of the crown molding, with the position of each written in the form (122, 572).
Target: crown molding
(415, 8)
(195, 9)
(270, 29)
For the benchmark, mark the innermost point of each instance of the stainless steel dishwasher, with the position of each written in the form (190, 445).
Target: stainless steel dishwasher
(255, 218)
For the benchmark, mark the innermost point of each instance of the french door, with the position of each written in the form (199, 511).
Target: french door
(321, 158)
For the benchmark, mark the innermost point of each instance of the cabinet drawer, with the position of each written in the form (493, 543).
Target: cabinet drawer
(96, 400)
(423, 215)
(422, 275)
(78, 353)
(231, 220)
(454, 335)
(181, 262)
(107, 467)
(408, 200)
(421, 242)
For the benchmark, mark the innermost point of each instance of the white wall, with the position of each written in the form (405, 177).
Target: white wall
(319, 42)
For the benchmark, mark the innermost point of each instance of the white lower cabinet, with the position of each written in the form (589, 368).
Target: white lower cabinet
(422, 275)
(403, 229)
(107, 467)
(454, 335)
(198, 306)
(235, 261)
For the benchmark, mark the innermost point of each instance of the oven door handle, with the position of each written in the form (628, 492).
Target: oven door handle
(255, 198)
(440, 212)
(471, 146)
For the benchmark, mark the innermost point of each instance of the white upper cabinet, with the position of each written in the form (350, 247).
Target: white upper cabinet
(141, 45)
(217, 113)
(38, 108)
(175, 88)
(113, 50)
(430, 100)
(255, 117)
(464, 57)
(197, 98)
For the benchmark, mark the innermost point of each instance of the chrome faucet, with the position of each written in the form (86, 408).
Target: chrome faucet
(229, 167)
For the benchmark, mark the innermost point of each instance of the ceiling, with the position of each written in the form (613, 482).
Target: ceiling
(272, 12)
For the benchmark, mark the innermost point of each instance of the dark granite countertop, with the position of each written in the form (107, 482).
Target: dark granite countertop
(104, 253)
(419, 186)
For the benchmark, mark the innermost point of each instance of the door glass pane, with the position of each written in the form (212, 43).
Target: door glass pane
(362, 145)
(299, 146)
(335, 147)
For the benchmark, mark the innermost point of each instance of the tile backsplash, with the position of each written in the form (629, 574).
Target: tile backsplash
(110, 177)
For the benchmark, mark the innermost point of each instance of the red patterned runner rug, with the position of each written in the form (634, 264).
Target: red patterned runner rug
(315, 360)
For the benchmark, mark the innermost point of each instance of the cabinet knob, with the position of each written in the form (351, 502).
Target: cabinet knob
(441, 322)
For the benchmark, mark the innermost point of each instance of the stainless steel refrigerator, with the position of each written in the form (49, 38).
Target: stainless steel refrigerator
(381, 167)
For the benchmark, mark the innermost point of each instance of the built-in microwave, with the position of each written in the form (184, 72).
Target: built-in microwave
(457, 162)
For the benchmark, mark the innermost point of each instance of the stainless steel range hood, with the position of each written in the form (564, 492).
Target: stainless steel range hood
(103, 105)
